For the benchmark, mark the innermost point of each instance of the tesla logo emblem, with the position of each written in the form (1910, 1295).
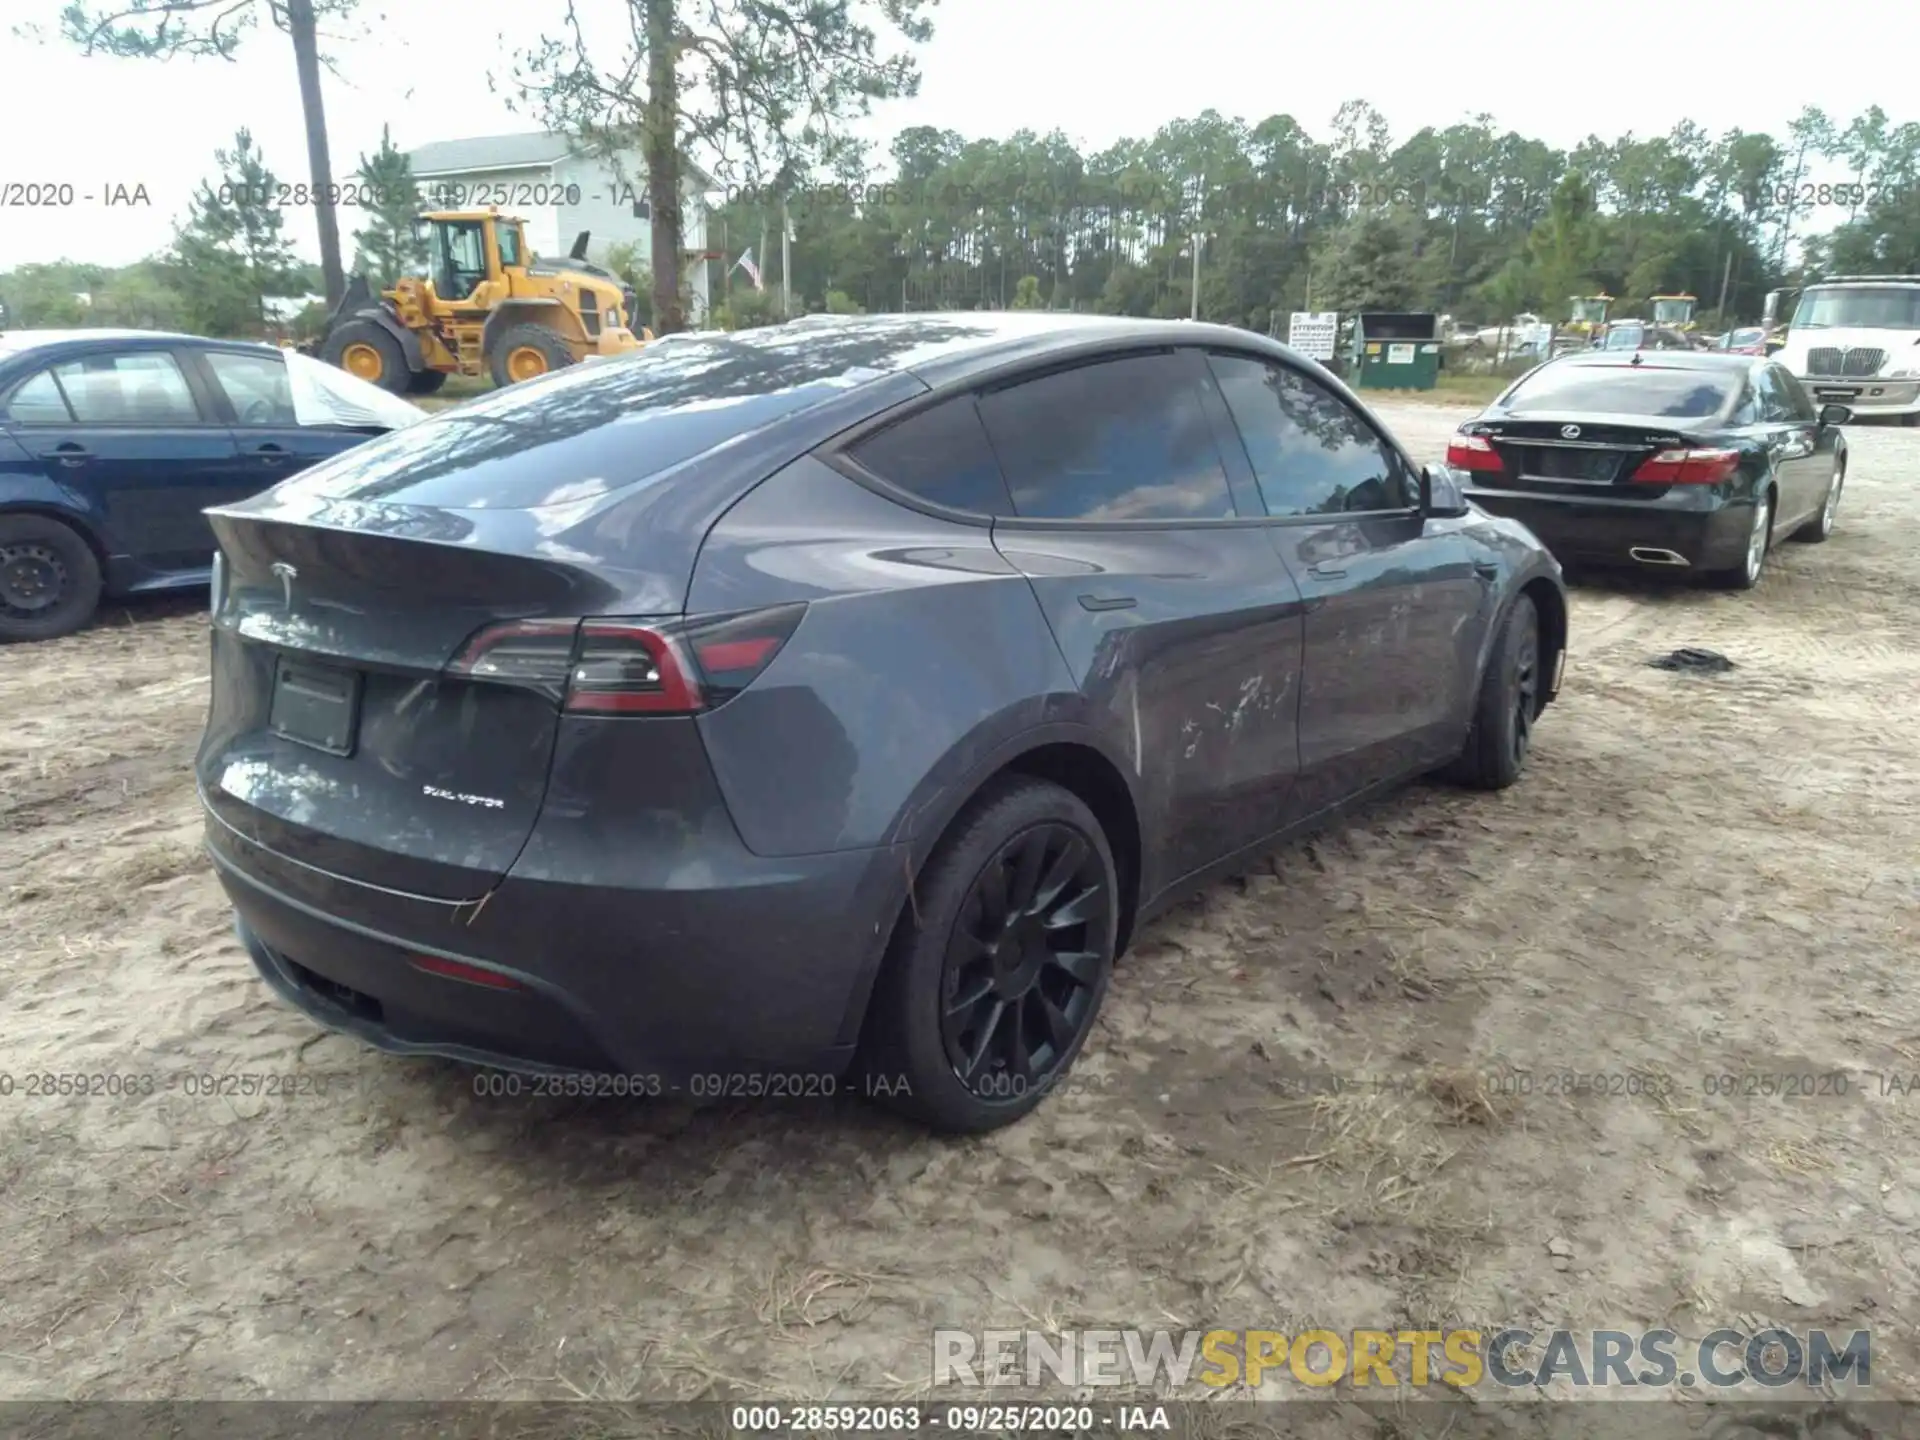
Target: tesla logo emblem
(1569, 432)
(287, 576)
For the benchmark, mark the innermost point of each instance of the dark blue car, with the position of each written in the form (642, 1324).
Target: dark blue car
(112, 442)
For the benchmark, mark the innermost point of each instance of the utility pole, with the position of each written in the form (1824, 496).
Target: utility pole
(786, 260)
(1726, 274)
(1194, 314)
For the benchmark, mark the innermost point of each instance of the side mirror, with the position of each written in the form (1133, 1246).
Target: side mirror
(1440, 497)
(1835, 415)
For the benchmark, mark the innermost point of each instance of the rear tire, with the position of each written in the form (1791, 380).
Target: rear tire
(1508, 704)
(1820, 527)
(516, 346)
(1018, 909)
(1746, 575)
(426, 382)
(49, 579)
(368, 351)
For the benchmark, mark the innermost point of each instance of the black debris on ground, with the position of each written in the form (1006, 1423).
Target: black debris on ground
(1699, 662)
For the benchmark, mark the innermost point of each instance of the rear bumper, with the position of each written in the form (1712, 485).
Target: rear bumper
(1705, 532)
(744, 966)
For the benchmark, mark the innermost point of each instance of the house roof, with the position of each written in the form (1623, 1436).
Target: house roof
(488, 152)
(505, 152)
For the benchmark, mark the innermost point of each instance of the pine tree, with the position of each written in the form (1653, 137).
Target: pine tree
(385, 247)
(233, 251)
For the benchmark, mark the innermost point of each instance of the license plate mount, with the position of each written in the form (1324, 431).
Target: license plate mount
(316, 705)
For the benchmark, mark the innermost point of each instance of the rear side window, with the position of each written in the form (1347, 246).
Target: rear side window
(256, 384)
(39, 402)
(1624, 389)
(941, 456)
(1118, 440)
(1799, 404)
(145, 388)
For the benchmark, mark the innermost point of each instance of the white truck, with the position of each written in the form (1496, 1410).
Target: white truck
(1854, 340)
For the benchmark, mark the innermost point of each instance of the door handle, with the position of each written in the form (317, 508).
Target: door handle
(70, 453)
(1098, 603)
(270, 453)
(1326, 571)
(1486, 569)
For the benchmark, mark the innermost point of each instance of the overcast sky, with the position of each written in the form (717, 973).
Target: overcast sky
(1096, 69)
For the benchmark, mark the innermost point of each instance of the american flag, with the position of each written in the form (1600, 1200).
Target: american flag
(745, 262)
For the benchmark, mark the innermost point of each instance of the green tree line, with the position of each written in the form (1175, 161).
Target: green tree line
(1468, 219)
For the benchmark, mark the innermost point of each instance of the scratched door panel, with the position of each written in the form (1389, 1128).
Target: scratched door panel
(1195, 681)
(1391, 608)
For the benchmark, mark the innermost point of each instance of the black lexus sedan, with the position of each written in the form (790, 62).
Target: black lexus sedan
(1690, 462)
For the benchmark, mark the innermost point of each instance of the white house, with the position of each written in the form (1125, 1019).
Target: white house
(559, 187)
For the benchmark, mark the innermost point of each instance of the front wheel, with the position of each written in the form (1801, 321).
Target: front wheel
(999, 964)
(1508, 704)
(368, 351)
(49, 579)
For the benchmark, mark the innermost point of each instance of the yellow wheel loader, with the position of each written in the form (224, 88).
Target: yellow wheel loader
(1675, 311)
(488, 307)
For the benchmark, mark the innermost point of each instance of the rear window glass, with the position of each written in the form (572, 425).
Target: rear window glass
(1624, 390)
(941, 456)
(598, 426)
(1118, 440)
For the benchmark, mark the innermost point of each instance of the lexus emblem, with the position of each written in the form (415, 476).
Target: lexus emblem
(287, 576)
(1567, 432)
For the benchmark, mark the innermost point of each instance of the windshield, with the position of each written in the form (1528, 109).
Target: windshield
(1650, 390)
(1624, 337)
(1866, 308)
(1672, 312)
(1584, 310)
(1747, 337)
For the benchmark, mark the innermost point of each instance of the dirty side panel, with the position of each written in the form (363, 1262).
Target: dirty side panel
(1186, 643)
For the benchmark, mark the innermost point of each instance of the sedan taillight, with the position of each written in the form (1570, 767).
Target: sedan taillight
(1687, 467)
(1472, 452)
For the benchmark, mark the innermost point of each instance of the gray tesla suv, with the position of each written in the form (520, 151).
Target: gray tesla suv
(824, 706)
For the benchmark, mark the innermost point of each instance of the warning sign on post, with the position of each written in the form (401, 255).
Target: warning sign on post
(1314, 333)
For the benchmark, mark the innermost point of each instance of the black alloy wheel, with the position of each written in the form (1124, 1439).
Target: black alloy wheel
(999, 962)
(1022, 977)
(1523, 685)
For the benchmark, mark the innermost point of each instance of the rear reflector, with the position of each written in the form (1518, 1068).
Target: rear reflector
(1687, 467)
(1472, 452)
(608, 666)
(471, 974)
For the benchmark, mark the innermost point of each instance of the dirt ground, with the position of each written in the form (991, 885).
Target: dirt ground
(1700, 876)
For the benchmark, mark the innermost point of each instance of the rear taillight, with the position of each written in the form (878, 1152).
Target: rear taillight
(534, 654)
(610, 666)
(1687, 467)
(1472, 452)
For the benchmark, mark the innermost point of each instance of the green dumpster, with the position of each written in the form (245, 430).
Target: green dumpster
(1395, 350)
